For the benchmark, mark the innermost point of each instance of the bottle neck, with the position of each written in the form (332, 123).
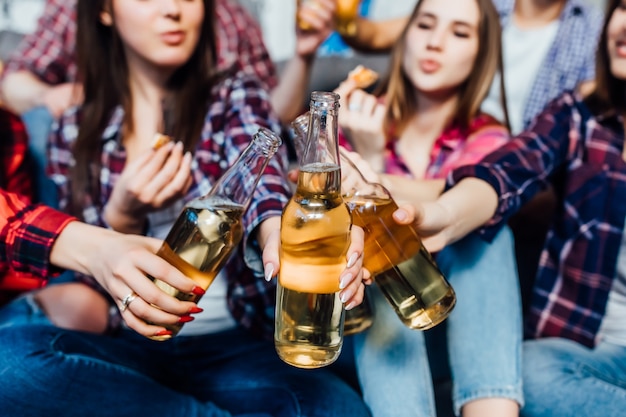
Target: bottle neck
(322, 146)
(240, 181)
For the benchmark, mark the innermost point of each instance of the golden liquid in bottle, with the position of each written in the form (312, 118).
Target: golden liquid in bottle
(315, 235)
(402, 268)
(346, 15)
(359, 319)
(199, 244)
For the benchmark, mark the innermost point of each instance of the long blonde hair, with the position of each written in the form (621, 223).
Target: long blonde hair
(398, 89)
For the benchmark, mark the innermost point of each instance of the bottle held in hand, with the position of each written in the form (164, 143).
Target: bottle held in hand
(315, 236)
(209, 228)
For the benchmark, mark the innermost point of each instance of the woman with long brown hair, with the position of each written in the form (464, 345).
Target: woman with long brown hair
(147, 68)
(575, 352)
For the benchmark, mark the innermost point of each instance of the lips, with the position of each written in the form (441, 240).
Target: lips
(429, 66)
(175, 37)
(620, 48)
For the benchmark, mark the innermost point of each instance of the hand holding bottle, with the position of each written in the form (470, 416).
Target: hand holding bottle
(152, 181)
(351, 280)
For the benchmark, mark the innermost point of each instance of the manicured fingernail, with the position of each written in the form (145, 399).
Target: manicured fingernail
(194, 310)
(349, 306)
(400, 215)
(198, 290)
(345, 280)
(185, 319)
(269, 272)
(163, 333)
(346, 295)
(352, 259)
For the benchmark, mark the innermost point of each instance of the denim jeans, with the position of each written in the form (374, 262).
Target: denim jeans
(47, 371)
(563, 378)
(484, 337)
(38, 122)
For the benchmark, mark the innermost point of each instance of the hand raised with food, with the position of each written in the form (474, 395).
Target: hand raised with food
(152, 181)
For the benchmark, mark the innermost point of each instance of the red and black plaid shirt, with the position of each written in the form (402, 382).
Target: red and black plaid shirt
(27, 232)
(14, 167)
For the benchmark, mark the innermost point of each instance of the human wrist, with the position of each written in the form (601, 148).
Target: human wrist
(123, 221)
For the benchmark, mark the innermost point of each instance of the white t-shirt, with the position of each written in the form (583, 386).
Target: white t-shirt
(216, 316)
(523, 52)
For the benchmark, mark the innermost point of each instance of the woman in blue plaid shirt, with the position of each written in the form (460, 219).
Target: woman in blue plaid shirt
(575, 355)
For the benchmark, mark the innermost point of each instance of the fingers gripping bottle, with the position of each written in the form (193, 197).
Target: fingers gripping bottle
(361, 317)
(315, 236)
(402, 268)
(210, 227)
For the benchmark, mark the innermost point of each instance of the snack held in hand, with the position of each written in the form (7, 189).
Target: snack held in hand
(160, 140)
(363, 76)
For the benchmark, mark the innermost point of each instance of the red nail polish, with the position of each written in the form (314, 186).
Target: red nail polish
(185, 319)
(194, 310)
(198, 290)
(163, 333)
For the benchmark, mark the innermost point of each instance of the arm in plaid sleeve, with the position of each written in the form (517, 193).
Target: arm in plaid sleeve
(27, 234)
(522, 167)
(246, 108)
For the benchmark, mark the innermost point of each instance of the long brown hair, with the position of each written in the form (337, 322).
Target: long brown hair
(402, 102)
(103, 72)
(609, 92)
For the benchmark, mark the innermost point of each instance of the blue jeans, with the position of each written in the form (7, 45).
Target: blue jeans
(484, 337)
(38, 122)
(563, 378)
(47, 371)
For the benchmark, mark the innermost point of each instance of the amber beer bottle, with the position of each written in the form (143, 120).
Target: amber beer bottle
(210, 227)
(315, 235)
(403, 269)
(361, 317)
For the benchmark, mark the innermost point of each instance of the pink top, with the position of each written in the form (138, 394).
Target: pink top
(454, 148)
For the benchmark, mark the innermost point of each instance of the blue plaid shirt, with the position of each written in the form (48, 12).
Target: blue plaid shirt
(570, 59)
(239, 106)
(581, 155)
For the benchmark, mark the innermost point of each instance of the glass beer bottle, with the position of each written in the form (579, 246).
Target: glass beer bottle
(361, 317)
(210, 227)
(315, 236)
(402, 268)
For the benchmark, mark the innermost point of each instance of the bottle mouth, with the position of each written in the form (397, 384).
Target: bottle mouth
(268, 141)
(324, 99)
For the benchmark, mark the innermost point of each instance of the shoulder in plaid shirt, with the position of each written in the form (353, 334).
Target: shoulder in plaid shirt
(238, 107)
(49, 51)
(15, 175)
(581, 155)
(570, 59)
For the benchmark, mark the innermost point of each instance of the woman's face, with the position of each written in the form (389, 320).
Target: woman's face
(441, 45)
(616, 41)
(159, 33)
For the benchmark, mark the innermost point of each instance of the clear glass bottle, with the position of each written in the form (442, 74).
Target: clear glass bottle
(315, 236)
(361, 317)
(403, 269)
(210, 227)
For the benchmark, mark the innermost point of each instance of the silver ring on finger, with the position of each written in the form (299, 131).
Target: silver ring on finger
(127, 300)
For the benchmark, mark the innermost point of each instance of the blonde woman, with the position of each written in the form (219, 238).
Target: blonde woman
(424, 122)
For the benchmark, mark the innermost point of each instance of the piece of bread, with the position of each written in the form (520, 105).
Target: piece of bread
(363, 76)
(160, 140)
